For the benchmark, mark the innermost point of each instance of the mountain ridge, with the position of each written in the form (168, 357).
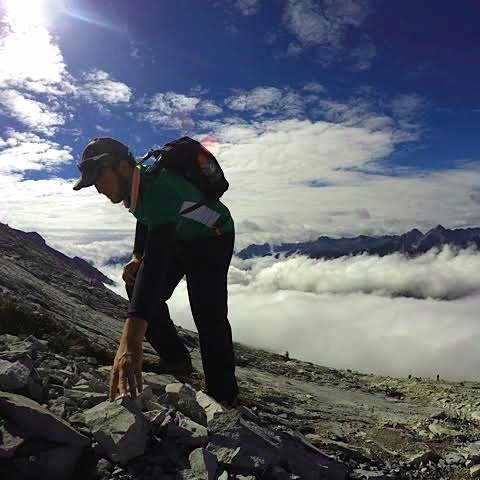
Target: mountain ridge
(8, 235)
(411, 243)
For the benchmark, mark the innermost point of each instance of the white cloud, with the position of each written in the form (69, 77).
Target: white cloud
(444, 274)
(257, 98)
(343, 327)
(26, 151)
(176, 110)
(305, 172)
(314, 87)
(323, 24)
(268, 100)
(248, 7)
(26, 203)
(406, 106)
(32, 113)
(363, 54)
(31, 63)
(209, 108)
(102, 129)
(29, 59)
(100, 88)
(313, 177)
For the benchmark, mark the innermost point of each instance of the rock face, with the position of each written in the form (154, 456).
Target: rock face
(11, 237)
(44, 281)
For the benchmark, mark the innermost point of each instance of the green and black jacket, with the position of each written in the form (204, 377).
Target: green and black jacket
(161, 204)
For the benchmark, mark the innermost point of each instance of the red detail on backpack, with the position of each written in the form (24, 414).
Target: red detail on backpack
(202, 159)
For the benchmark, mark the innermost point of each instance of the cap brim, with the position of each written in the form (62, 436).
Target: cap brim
(84, 181)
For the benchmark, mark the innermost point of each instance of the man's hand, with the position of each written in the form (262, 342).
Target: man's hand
(130, 270)
(126, 373)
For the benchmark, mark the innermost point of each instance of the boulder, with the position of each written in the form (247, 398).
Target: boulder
(182, 396)
(203, 464)
(209, 405)
(13, 375)
(50, 448)
(10, 439)
(34, 420)
(119, 427)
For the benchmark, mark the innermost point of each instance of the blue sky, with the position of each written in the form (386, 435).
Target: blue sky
(339, 118)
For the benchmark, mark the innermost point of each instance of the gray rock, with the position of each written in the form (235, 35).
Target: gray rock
(360, 454)
(176, 453)
(454, 458)
(182, 396)
(58, 406)
(158, 415)
(144, 398)
(86, 399)
(35, 390)
(59, 463)
(35, 420)
(241, 447)
(7, 339)
(471, 451)
(82, 388)
(424, 457)
(475, 415)
(369, 475)
(209, 405)
(17, 355)
(32, 344)
(13, 376)
(196, 434)
(104, 468)
(10, 439)
(157, 382)
(119, 427)
(204, 464)
(440, 430)
(475, 471)
(307, 461)
(186, 474)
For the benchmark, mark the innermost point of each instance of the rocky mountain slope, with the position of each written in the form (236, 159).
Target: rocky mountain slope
(412, 243)
(9, 237)
(296, 420)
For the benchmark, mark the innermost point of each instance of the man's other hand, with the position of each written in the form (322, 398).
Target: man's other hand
(130, 270)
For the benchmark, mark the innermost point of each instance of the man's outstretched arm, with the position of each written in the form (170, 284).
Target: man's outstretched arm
(149, 287)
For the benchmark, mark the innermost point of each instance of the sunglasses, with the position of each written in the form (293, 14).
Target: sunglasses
(95, 166)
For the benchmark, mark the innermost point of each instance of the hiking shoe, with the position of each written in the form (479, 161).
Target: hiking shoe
(184, 367)
(229, 405)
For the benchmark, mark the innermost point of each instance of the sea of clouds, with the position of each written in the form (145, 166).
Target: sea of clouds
(389, 315)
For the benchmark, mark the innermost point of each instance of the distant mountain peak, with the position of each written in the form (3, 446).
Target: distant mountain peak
(414, 242)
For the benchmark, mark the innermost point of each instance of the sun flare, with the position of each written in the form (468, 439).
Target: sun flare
(31, 12)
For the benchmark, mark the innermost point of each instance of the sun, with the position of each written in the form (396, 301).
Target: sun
(31, 12)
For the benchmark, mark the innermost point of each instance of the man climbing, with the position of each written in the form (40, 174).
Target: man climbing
(172, 239)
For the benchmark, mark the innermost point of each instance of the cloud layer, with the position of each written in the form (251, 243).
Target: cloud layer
(350, 312)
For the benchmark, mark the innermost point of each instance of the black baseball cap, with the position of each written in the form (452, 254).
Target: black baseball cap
(100, 152)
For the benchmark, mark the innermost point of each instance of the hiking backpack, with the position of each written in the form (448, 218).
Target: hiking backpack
(190, 159)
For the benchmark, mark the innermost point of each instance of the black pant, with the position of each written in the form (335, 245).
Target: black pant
(205, 263)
